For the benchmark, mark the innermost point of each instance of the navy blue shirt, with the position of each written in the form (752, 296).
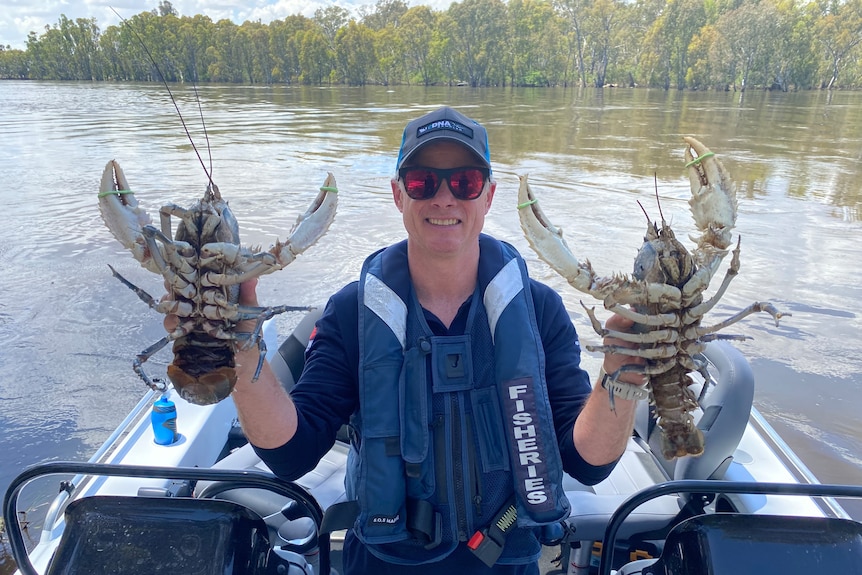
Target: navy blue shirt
(326, 395)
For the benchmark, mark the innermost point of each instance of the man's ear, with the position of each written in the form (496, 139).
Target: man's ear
(490, 195)
(397, 194)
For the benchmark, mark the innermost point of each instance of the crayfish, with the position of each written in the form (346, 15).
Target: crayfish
(665, 293)
(203, 265)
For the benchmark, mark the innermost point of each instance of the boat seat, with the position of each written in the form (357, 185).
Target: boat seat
(288, 361)
(325, 482)
(722, 420)
(592, 507)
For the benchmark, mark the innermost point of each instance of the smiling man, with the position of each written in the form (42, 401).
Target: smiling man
(458, 375)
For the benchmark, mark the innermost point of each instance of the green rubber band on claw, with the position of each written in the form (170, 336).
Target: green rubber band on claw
(329, 189)
(697, 160)
(116, 192)
(527, 203)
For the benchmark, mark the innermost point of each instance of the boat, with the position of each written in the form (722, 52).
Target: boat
(206, 504)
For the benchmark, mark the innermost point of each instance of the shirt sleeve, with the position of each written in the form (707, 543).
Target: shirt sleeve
(327, 391)
(568, 384)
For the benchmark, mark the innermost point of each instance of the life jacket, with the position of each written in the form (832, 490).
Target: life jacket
(451, 428)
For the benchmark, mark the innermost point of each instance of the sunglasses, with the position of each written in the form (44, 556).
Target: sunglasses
(465, 183)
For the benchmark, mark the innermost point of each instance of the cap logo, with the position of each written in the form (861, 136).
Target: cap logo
(444, 125)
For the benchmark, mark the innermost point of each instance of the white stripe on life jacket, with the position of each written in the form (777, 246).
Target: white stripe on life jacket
(501, 291)
(386, 305)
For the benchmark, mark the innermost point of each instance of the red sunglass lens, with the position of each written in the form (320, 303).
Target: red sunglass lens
(421, 184)
(467, 184)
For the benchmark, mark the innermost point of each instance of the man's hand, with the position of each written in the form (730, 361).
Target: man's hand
(614, 361)
(603, 428)
(247, 296)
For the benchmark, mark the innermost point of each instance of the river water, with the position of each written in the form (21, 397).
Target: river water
(69, 331)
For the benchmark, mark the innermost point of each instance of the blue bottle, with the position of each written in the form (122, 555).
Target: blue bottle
(164, 418)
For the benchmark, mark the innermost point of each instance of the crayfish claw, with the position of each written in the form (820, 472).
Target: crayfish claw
(122, 215)
(713, 196)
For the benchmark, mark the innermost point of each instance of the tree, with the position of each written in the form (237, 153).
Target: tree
(13, 64)
(416, 35)
(166, 8)
(315, 57)
(573, 11)
(284, 39)
(669, 39)
(354, 52)
(477, 32)
(746, 33)
(331, 19)
(529, 54)
(602, 23)
(839, 32)
(385, 13)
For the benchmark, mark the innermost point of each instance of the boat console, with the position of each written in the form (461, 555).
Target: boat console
(741, 544)
(146, 535)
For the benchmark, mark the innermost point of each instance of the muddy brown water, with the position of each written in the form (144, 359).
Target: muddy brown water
(68, 330)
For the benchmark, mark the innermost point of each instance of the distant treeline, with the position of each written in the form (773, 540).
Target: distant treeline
(672, 44)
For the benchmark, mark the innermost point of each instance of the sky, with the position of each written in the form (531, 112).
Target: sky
(19, 17)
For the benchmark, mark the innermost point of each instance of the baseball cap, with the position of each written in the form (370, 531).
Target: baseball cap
(444, 124)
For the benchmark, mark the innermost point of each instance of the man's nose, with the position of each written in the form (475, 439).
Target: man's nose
(444, 194)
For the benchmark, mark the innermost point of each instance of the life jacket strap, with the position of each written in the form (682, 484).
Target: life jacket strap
(423, 522)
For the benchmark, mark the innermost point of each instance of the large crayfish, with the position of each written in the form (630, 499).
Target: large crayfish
(665, 292)
(203, 265)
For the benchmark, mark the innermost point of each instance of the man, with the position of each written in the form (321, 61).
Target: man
(459, 376)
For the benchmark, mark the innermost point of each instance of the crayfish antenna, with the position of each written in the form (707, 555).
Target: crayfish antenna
(208, 172)
(657, 200)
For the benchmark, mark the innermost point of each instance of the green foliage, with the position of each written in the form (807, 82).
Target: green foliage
(673, 44)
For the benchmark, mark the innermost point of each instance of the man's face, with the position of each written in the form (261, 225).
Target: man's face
(443, 225)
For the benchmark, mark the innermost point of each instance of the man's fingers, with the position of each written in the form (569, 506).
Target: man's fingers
(613, 361)
(619, 323)
(248, 292)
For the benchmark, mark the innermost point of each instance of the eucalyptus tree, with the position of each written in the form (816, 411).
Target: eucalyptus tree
(354, 53)
(255, 55)
(389, 56)
(384, 21)
(284, 42)
(331, 19)
(67, 50)
(793, 61)
(193, 39)
(746, 35)
(384, 13)
(123, 50)
(603, 19)
(700, 74)
(416, 34)
(533, 28)
(668, 39)
(477, 36)
(165, 7)
(573, 12)
(316, 59)
(225, 53)
(839, 32)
